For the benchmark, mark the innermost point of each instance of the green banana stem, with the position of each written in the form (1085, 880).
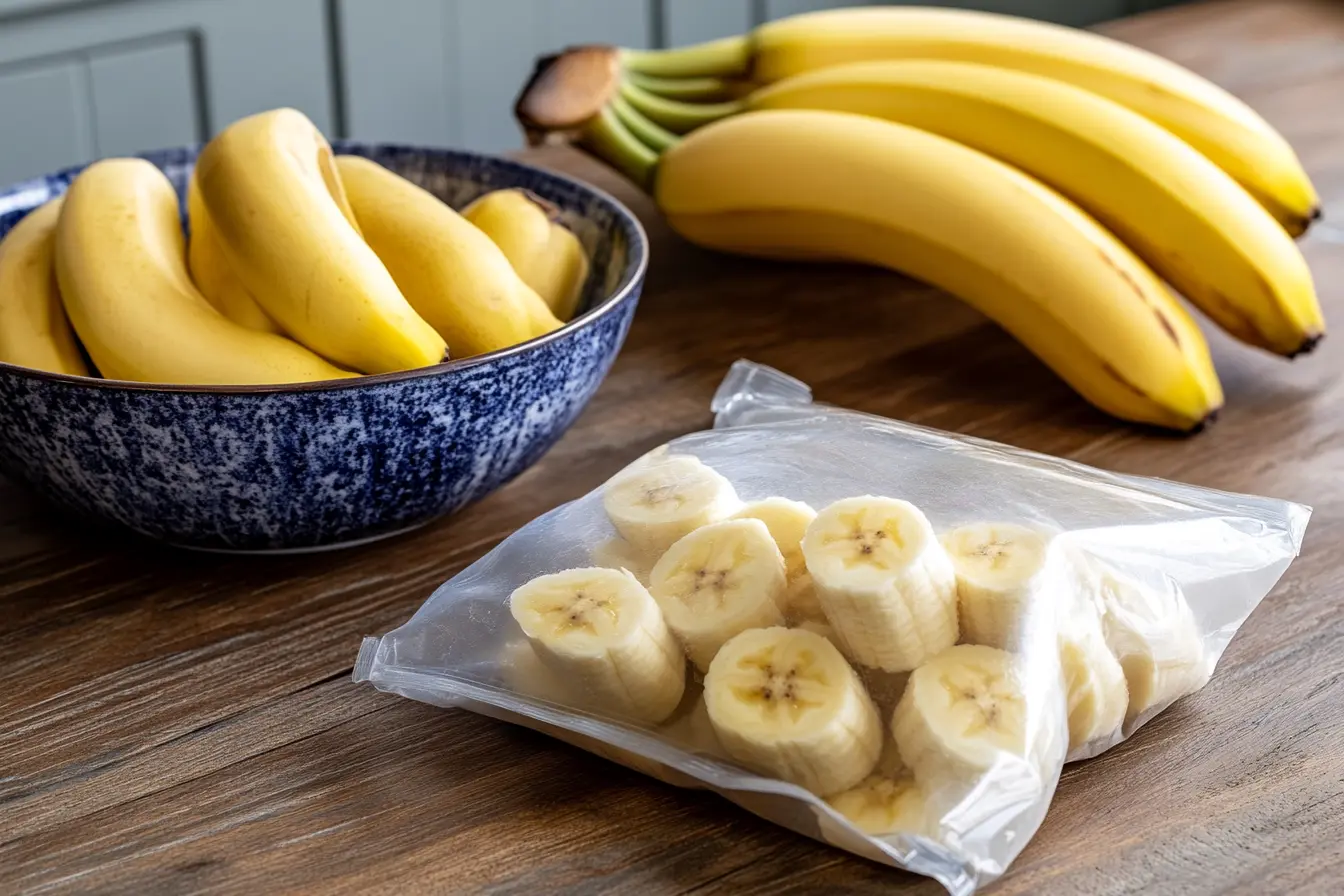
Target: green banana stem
(675, 115)
(691, 89)
(727, 57)
(611, 140)
(652, 135)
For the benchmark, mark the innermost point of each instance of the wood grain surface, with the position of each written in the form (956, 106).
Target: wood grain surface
(182, 723)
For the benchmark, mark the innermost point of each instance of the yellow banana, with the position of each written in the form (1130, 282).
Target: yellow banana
(1194, 225)
(34, 331)
(121, 263)
(838, 186)
(1207, 117)
(451, 272)
(211, 273)
(544, 252)
(271, 189)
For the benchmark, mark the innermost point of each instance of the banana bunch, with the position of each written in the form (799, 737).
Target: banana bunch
(301, 266)
(1054, 179)
(910, 678)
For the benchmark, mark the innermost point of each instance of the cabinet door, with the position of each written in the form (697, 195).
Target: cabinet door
(80, 79)
(448, 71)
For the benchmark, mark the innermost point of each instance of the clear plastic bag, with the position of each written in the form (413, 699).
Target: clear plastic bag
(1141, 578)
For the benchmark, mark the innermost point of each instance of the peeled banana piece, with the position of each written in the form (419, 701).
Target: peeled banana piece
(122, 266)
(34, 331)
(964, 712)
(718, 581)
(885, 583)
(211, 273)
(271, 189)
(450, 272)
(603, 633)
(784, 702)
(617, 553)
(544, 252)
(1095, 690)
(841, 187)
(1151, 632)
(889, 801)
(658, 499)
(1004, 577)
(787, 521)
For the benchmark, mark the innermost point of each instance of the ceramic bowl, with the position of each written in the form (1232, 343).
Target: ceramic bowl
(301, 467)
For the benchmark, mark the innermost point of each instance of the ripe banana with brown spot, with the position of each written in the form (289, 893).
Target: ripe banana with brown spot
(818, 185)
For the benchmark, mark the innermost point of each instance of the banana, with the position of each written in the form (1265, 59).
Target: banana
(543, 251)
(211, 273)
(1183, 215)
(451, 272)
(654, 502)
(1094, 682)
(784, 702)
(1153, 635)
(887, 586)
(887, 802)
(718, 581)
(964, 713)
(602, 631)
(271, 190)
(1004, 578)
(1202, 114)
(121, 262)
(617, 553)
(34, 331)
(524, 671)
(838, 186)
(691, 730)
(788, 521)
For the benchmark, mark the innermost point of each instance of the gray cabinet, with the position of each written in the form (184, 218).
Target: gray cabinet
(79, 80)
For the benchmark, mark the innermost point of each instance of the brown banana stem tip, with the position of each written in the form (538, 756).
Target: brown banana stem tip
(566, 90)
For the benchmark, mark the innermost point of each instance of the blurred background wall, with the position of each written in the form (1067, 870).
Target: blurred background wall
(81, 79)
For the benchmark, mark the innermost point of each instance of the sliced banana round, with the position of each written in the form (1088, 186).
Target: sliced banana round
(1003, 571)
(784, 702)
(887, 802)
(1094, 683)
(964, 711)
(884, 581)
(617, 553)
(662, 497)
(787, 521)
(721, 579)
(1151, 632)
(525, 673)
(604, 633)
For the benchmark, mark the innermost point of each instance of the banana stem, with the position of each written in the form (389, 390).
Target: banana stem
(692, 89)
(675, 115)
(652, 135)
(726, 57)
(611, 140)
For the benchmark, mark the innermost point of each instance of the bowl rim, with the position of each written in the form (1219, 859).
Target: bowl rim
(633, 276)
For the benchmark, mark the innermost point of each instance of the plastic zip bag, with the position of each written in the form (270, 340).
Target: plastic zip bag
(1081, 603)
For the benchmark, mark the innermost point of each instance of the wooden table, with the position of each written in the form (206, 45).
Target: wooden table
(175, 723)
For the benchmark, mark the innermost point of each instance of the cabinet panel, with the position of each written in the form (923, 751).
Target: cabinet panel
(144, 97)
(690, 21)
(44, 116)
(253, 55)
(460, 63)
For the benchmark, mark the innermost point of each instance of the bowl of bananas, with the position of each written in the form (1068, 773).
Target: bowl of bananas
(275, 343)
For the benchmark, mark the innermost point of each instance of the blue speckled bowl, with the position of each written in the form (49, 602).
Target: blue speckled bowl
(325, 464)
